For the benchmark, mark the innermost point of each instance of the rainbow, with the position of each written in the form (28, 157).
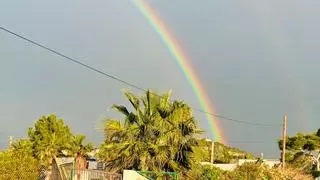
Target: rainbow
(186, 67)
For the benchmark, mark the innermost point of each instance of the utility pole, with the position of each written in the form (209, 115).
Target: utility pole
(284, 134)
(212, 151)
(11, 139)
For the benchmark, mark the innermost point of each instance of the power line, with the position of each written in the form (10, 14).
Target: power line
(73, 60)
(253, 142)
(238, 121)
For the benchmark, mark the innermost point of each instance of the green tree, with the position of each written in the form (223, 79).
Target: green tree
(158, 135)
(49, 138)
(299, 148)
(301, 142)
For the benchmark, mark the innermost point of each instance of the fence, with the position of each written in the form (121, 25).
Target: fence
(64, 169)
(88, 174)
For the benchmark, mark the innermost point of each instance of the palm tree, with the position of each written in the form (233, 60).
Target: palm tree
(79, 148)
(158, 135)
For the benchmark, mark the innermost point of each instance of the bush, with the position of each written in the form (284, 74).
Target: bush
(290, 173)
(212, 173)
(252, 171)
(18, 165)
(316, 174)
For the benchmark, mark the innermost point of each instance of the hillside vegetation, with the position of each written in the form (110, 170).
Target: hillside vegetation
(222, 153)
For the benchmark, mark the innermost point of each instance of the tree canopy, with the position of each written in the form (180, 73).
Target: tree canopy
(299, 148)
(79, 147)
(49, 138)
(157, 135)
(18, 165)
(17, 162)
(300, 142)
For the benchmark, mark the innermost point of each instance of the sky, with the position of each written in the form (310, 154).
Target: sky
(256, 60)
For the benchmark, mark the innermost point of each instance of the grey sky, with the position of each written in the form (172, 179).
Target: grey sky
(256, 59)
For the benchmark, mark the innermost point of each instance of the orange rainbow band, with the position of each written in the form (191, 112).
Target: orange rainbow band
(184, 64)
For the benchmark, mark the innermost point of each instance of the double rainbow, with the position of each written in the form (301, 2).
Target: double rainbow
(186, 67)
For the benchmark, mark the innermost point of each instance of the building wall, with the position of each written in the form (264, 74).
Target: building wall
(132, 175)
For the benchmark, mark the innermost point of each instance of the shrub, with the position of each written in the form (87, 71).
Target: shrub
(212, 173)
(316, 173)
(18, 165)
(261, 171)
(251, 171)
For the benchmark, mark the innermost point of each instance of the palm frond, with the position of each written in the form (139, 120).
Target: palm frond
(133, 100)
(121, 109)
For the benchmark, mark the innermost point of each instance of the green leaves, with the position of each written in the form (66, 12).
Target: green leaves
(121, 109)
(133, 100)
(23, 146)
(302, 142)
(299, 148)
(49, 137)
(79, 147)
(16, 163)
(158, 135)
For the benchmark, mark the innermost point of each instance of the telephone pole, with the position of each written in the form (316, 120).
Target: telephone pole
(284, 134)
(11, 139)
(212, 151)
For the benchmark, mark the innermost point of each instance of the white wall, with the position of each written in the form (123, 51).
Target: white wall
(132, 175)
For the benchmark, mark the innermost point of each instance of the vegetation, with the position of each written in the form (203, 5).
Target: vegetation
(222, 153)
(79, 148)
(250, 171)
(212, 173)
(18, 163)
(49, 138)
(262, 171)
(299, 151)
(158, 135)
